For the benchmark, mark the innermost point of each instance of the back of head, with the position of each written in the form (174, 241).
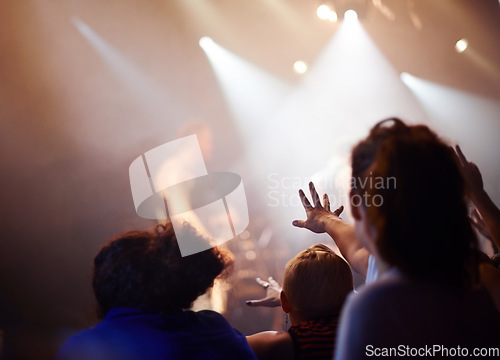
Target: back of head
(316, 282)
(144, 269)
(420, 215)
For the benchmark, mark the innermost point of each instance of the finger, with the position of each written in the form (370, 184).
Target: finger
(254, 302)
(274, 283)
(479, 227)
(305, 201)
(476, 216)
(268, 302)
(314, 195)
(326, 202)
(474, 166)
(339, 210)
(461, 156)
(262, 283)
(299, 223)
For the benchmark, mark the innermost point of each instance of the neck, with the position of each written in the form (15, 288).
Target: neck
(382, 266)
(298, 317)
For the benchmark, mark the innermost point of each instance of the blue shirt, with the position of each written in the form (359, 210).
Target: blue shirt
(133, 334)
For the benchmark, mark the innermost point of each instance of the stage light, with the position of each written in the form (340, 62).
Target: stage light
(146, 90)
(206, 42)
(325, 12)
(462, 117)
(300, 67)
(350, 15)
(250, 255)
(461, 45)
(260, 96)
(405, 77)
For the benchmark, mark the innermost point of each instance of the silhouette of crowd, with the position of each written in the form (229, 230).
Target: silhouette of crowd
(430, 290)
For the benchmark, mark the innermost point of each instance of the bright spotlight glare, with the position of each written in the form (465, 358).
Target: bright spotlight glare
(333, 16)
(405, 77)
(350, 15)
(326, 13)
(205, 42)
(461, 45)
(300, 67)
(323, 12)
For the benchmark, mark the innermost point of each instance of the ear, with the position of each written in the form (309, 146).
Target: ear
(285, 305)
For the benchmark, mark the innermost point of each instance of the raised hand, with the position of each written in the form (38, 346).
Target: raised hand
(488, 223)
(316, 214)
(478, 223)
(273, 291)
(471, 174)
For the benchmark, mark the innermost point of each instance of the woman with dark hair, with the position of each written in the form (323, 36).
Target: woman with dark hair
(408, 202)
(143, 287)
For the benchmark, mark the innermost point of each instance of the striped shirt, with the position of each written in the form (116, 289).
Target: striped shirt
(314, 339)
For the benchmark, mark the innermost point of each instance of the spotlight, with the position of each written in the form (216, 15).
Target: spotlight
(461, 45)
(323, 11)
(405, 77)
(300, 67)
(326, 12)
(205, 42)
(361, 7)
(350, 15)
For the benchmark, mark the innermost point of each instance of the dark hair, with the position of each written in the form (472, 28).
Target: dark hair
(145, 269)
(422, 224)
(363, 154)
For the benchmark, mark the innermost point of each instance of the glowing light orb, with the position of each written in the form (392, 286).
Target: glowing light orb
(300, 67)
(323, 12)
(461, 45)
(205, 42)
(350, 15)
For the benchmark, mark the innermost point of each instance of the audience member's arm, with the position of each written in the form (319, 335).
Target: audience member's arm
(489, 211)
(271, 345)
(478, 222)
(273, 291)
(320, 220)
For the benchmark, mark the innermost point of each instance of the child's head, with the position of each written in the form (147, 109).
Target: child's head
(316, 282)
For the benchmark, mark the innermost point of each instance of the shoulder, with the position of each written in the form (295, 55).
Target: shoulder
(395, 311)
(365, 318)
(217, 336)
(271, 345)
(209, 315)
(206, 319)
(394, 299)
(373, 315)
(80, 346)
(375, 295)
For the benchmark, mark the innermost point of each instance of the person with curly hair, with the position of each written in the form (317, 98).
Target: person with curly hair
(144, 288)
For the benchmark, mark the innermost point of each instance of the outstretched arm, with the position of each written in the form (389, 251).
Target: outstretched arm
(271, 345)
(273, 291)
(489, 212)
(320, 220)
